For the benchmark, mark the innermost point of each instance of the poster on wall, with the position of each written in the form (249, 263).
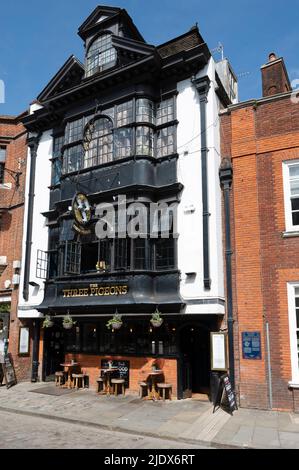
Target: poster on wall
(218, 351)
(24, 341)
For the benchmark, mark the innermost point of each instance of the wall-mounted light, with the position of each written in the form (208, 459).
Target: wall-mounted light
(33, 284)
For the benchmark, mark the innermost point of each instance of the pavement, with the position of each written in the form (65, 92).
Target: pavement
(189, 421)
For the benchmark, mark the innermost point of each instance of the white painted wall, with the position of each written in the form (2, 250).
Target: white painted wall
(26, 309)
(190, 251)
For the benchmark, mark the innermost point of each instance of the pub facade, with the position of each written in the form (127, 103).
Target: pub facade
(135, 127)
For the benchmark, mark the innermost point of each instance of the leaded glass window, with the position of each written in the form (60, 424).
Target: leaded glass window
(144, 110)
(124, 114)
(100, 149)
(165, 112)
(72, 158)
(166, 141)
(101, 54)
(123, 142)
(74, 131)
(57, 159)
(144, 141)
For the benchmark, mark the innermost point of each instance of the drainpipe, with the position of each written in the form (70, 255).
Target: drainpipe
(202, 86)
(226, 177)
(35, 351)
(33, 142)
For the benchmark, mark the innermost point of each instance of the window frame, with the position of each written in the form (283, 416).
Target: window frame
(287, 195)
(2, 163)
(293, 329)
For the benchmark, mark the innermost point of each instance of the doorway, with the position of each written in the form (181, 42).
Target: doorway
(53, 352)
(195, 360)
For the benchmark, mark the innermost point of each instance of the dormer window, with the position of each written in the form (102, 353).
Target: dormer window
(100, 55)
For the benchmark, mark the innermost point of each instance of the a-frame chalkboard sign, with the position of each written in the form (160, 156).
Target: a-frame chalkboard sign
(8, 371)
(225, 396)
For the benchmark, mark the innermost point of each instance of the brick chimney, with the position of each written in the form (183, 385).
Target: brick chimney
(275, 76)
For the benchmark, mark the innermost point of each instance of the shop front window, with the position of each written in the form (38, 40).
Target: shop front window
(135, 337)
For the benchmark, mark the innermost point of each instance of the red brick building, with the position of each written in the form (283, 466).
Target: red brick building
(13, 155)
(260, 140)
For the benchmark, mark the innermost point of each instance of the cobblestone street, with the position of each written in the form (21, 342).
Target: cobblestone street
(28, 432)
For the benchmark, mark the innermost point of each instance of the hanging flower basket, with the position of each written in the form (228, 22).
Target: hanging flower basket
(115, 323)
(48, 322)
(156, 319)
(68, 322)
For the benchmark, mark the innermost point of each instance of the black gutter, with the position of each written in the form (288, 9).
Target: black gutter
(226, 177)
(202, 85)
(33, 145)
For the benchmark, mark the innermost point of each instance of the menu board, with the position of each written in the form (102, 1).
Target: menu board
(218, 351)
(8, 371)
(123, 371)
(225, 397)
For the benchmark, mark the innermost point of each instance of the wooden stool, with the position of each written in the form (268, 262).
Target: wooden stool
(100, 382)
(59, 378)
(143, 387)
(115, 383)
(165, 387)
(76, 378)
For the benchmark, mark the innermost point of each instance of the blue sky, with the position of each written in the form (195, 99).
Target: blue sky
(37, 36)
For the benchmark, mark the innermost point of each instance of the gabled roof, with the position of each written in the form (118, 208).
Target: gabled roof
(103, 15)
(98, 12)
(69, 75)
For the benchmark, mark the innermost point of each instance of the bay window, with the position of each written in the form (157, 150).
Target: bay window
(121, 131)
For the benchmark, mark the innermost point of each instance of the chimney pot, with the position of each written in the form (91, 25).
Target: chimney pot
(272, 56)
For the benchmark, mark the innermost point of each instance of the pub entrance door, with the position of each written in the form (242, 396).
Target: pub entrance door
(53, 352)
(195, 360)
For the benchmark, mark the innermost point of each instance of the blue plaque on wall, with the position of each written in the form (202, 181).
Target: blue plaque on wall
(251, 345)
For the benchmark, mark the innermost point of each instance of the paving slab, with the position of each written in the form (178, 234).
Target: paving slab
(289, 440)
(265, 437)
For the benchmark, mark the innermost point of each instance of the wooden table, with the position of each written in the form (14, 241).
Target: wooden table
(153, 393)
(107, 372)
(68, 366)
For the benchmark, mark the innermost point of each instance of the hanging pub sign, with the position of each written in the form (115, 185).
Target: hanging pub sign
(82, 213)
(218, 351)
(225, 396)
(251, 345)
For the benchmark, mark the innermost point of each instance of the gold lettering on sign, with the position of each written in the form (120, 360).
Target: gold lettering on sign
(95, 290)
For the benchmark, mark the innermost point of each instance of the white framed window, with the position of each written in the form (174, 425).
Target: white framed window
(293, 304)
(291, 194)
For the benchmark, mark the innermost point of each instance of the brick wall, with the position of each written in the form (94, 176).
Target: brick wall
(139, 366)
(259, 139)
(13, 137)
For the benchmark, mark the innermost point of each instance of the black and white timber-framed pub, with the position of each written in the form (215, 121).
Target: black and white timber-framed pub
(141, 121)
